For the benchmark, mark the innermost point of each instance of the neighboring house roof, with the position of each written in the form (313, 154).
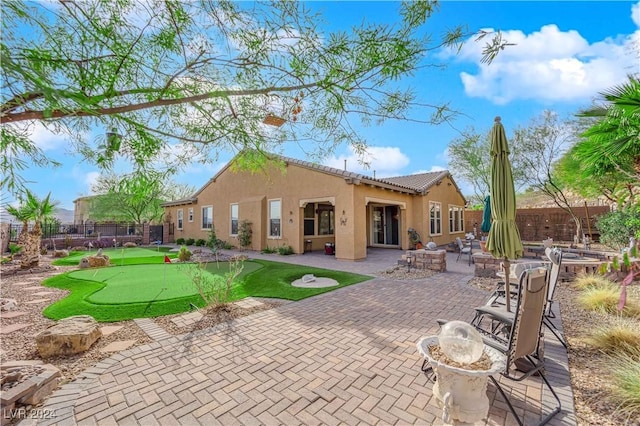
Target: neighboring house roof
(411, 184)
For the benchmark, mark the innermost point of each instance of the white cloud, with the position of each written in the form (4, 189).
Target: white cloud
(385, 161)
(431, 170)
(90, 180)
(43, 137)
(635, 14)
(550, 65)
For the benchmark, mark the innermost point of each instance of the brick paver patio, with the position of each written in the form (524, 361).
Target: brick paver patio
(344, 357)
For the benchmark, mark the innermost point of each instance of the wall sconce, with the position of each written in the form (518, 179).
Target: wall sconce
(342, 212)
(291, 212)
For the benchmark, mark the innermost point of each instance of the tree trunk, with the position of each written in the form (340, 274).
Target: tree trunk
(31, 249)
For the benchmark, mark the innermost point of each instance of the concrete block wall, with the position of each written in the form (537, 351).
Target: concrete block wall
(435, 260)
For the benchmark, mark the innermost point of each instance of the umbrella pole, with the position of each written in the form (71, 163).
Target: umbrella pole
(507, 287)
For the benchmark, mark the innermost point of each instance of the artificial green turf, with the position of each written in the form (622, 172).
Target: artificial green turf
(143, 291)
(120, 256)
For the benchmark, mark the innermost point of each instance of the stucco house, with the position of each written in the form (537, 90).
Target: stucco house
(306, 205)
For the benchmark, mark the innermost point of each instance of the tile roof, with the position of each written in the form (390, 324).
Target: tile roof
(417, 183)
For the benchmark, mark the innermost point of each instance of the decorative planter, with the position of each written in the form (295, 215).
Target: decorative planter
(483, 246)
(462, 394)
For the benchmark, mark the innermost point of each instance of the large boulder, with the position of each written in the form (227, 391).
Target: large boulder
(98, 261)
(69, 336)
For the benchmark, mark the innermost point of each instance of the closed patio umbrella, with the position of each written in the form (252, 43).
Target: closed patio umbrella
(504, 238)
(486, 215)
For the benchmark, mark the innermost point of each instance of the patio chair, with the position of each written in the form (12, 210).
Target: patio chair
(521, 341)
(496, 300)
(463, 249)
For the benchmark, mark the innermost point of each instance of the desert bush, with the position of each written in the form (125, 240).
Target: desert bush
(269, 250)
(285, 250)
(226, 245)
(585, 281)
(605, 299)
(189, 241)
(626, 389)
(618, 226)
(180, 241)
(620, 335)
(215, 290)
(14, 249)
(200, 242)
(78, 248)
(129, 244)
(184, 255)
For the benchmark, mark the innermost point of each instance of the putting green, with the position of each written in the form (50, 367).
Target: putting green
(146, 283)
(119, 256)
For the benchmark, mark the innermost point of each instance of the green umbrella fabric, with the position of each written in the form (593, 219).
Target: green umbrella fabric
(486, 215)
(504, 238)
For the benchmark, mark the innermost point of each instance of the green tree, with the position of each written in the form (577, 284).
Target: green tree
(36, 210)
(470, 161)
(205, 75)
(134, 197)
(541, 145)
(610, 148)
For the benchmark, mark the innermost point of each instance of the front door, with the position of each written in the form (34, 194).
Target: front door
(385, 225)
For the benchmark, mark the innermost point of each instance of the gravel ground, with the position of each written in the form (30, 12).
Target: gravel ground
(593, 405)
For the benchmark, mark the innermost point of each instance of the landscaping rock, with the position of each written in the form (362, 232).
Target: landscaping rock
(84, 263)
(69, 336)
(7, 304)
(60, 253)
(97, 261)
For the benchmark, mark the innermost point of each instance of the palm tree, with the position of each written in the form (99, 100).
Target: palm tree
(612, 144)
(36, 210)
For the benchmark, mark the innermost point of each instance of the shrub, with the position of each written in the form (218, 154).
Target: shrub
(285, 250)
(129, 244)
(605, 299)
(200, 242)
(269, 250)
(618, 226)
(622, 335)
(180, 241)
(244, 234)
(189, 241)
(184, 255)
(215, 290)
(585, 281)
(14, 249)
(626, 377)
(226, 245)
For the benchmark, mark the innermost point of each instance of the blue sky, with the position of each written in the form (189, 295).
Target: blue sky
(565, 53)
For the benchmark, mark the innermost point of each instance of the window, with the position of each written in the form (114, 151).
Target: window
(435, 218)
(323, 215)
(190, 214)
(325, 219)
(234, 219)
(180, 219)
(207, 217)
(275, 207)
(456, 219)
(310, 219)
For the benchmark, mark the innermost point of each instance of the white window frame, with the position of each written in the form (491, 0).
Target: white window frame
(202, 224)
(271, 218)
(435, 220)
(180, 219)
(456, 227)
(232, 218)
(190, 214)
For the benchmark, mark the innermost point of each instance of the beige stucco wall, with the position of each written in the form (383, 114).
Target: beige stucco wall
(293, 186)
(446, 194)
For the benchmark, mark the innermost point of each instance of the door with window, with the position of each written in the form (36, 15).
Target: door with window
(385, 225)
